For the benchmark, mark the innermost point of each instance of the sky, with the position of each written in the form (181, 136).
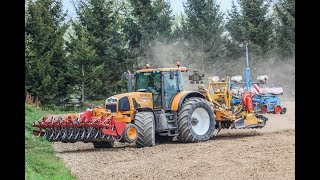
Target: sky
(176, 6)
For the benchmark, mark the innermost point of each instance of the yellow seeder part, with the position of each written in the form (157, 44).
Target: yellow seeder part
(250, 118)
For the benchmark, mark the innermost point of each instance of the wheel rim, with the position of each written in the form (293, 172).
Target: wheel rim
(277, 109)
(264, 109)
(200, 121)
(132, 133)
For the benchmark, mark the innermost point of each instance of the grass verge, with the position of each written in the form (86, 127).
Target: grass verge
(40, 160)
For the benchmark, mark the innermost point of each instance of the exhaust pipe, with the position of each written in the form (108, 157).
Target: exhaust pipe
(129, 81)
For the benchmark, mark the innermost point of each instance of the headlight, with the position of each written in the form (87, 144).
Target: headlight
(111, 100)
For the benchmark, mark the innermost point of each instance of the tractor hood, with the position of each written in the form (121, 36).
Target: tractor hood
(129, 101)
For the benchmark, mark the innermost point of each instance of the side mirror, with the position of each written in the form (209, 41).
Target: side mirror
(171, 74)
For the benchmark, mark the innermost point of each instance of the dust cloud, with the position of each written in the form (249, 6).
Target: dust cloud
(280, 72)
(163, 55)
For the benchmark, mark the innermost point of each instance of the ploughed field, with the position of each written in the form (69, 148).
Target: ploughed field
(267, 153)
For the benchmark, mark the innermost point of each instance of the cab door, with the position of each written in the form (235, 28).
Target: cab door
(170, 88)
(154, 86)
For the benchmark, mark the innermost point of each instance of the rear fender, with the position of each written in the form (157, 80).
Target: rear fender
(182, 96)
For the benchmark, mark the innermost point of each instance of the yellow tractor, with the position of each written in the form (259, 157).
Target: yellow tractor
(161, 109)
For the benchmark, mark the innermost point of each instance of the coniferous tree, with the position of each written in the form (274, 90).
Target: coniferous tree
(153, 21)
(100, 22)
(252, 24)
(203, 30)
(285, 28)
(86, 74)
(46, 66)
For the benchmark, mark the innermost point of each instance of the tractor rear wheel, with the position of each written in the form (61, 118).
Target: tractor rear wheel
(103, 144)
(196, 120)
(145, 125)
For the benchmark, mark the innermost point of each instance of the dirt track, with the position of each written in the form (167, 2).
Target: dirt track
(267, 153)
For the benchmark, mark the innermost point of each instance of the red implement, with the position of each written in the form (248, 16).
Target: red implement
(92, 125)
(247, 101)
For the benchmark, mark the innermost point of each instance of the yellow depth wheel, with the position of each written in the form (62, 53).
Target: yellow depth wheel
(130, 133)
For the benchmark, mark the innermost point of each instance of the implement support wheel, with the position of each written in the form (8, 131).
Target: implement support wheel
(264, 109)
(130, 133)
(284, 110)
(277, 109)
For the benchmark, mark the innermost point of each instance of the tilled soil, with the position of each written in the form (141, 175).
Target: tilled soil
(267, 153)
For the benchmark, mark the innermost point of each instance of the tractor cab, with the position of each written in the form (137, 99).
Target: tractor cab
(163, 83)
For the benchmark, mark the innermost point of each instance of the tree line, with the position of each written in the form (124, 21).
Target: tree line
(88, 55)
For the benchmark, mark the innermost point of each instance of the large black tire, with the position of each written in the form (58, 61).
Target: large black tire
(145, 125)
(185, 124)
(103, 144)
(283, 110)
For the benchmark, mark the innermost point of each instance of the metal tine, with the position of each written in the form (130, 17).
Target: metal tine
(39, 133)
(89, 133)
(52, 134)
(46, 133)
(58, 130)
(78, 132)
(71, 129)
(83, 133)
(64, 132)
(52, 130)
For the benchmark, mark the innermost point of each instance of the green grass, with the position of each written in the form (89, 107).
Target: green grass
(40, 160)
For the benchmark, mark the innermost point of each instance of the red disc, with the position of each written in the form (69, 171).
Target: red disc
(277, 109)
(264, 109)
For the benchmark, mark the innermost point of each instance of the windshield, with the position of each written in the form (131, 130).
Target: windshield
(150, 81)
(141, 81)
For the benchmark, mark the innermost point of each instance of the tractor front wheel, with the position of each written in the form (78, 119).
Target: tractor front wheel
(145, 125)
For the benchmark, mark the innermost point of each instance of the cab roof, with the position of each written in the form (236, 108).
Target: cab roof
(182, 69)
